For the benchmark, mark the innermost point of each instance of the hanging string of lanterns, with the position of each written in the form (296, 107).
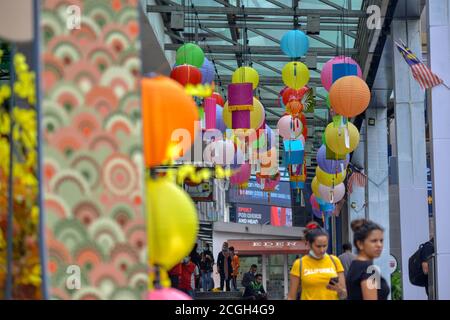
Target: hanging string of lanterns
(348, 97)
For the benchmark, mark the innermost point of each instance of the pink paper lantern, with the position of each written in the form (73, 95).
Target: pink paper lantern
(167, 294)
(332, 195)
(327, 71)
(290, 128)
(242, 175)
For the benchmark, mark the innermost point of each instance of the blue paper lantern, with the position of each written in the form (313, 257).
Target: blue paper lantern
(208, 72)
(295, 44)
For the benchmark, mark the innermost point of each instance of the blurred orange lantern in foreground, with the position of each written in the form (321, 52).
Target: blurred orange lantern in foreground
(166, 107)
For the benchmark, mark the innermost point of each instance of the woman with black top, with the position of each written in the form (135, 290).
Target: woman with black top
(364, 281)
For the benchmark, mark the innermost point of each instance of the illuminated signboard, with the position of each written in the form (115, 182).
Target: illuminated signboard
(260, 214)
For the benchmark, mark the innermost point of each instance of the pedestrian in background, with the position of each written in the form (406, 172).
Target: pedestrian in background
(187, 272)
(347, 257)
(249, 276)
(224, 267)
(364, 280)
(235, 265)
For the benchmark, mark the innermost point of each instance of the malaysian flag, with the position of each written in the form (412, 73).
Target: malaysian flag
(356, 177)
(426, 78)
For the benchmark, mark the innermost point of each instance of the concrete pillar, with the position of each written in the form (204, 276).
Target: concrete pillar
(439, 57)
(378, 179)
(410, 136)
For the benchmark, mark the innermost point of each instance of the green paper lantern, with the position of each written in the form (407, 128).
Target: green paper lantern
(191, 54)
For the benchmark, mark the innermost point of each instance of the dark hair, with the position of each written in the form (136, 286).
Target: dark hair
(347, 246)
(258, 275)
(254, 266)
(231, 248)
(362, 228)
(313, 230)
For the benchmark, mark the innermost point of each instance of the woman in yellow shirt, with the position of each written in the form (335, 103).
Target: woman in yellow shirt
(319, 275)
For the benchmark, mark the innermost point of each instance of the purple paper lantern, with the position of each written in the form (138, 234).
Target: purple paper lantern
(208, 72)
(330, 166)
(220, 125)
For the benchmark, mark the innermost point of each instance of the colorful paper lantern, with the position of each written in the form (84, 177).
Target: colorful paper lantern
(328, 179)
(208, 72)
(219, 99)
(160, 94)
(220, 125)
(293, 152)
(349, 96)
(172, 223)
(209, 106)
(293, 94)
(315, 186)
(186, 74)
(257, 115)
(190, 53)
(242, 176)
(342, 140)
(167, 294)
(289, 128)
(327, 71)
(295, 75)
(246, 75)
(330, 194)
(295, 44)
(330, 165)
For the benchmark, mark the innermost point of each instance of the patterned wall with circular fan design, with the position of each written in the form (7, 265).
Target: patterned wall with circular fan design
(93, 165)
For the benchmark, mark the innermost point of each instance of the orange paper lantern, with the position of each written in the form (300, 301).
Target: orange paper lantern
(349, 96)
(160, 96)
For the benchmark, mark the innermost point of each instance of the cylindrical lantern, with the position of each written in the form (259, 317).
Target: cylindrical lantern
(327, 71)
(342, 140)
(330, 166)
(257, 115)
(186, 74)
(295, 43)
(209, 105)
(240, 103)
(190, 53)
(207, 71)
(349, 96)
(295, 75)
(246, 75)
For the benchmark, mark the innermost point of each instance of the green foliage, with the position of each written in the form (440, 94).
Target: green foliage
(396, 284)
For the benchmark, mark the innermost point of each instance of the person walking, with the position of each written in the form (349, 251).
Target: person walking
(249, 276)
(235, 265)
(364, 280)
(255, 291)
(347, 257)
(195, 258)
(224, 267)
(320, 276)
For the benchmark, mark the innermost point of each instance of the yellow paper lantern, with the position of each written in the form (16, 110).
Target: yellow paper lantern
(295, 75)
(246, 75)
(315, 187)
(337, 140)
(328, 179)
(172, 223)
(257, 116)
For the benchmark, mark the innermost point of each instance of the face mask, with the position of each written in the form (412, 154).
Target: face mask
(312, 254)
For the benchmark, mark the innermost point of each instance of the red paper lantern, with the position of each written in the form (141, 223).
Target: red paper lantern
(186, 74)
(219, 99)
(292, 94)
